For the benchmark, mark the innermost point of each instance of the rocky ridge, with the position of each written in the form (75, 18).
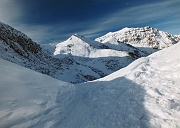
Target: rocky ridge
(145, 36)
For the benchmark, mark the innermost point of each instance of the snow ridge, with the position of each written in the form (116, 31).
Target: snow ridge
(146, 36)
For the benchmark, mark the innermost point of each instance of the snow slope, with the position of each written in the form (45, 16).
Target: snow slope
(29, 99)
(144, 94)
(16, 47)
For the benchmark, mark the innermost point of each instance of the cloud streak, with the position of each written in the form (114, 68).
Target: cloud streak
(150, 14)
(163, 15)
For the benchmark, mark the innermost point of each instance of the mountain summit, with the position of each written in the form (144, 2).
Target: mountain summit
(145, 36)
(78, 45)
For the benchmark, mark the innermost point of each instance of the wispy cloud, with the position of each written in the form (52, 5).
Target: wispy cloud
(164, 15)
(166, 12)
(53, 33)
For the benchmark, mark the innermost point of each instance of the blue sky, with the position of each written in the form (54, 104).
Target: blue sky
(49, 21)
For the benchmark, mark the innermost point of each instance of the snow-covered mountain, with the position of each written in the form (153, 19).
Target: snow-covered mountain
(20, 49)
(76, 60)
(145, 94)
(146, 37)
(78, 45)
(79, 60)
(95, 59)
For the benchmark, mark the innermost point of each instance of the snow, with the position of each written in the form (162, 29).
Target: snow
(28, 98)
(91, 59)
(144, 94)
(78, 45)
(159, 76)
(80, 59)
(146, 37)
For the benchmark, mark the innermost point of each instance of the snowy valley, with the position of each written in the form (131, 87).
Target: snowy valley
(78, 59)
(144, 94)
(109, 82)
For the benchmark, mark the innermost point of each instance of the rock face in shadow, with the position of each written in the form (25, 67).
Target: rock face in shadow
(18, 41)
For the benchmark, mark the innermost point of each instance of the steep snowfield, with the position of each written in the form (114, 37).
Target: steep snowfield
(159, 77)
(29, 99)
(144, 94)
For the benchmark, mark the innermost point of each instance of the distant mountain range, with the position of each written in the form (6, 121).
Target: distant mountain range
(79, 59)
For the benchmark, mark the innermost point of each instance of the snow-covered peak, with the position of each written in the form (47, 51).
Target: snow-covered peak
(75, 45)
(145, 36)
(85, 40)
(78, 45)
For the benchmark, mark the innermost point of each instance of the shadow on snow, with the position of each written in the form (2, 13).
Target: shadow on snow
(106, 104)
